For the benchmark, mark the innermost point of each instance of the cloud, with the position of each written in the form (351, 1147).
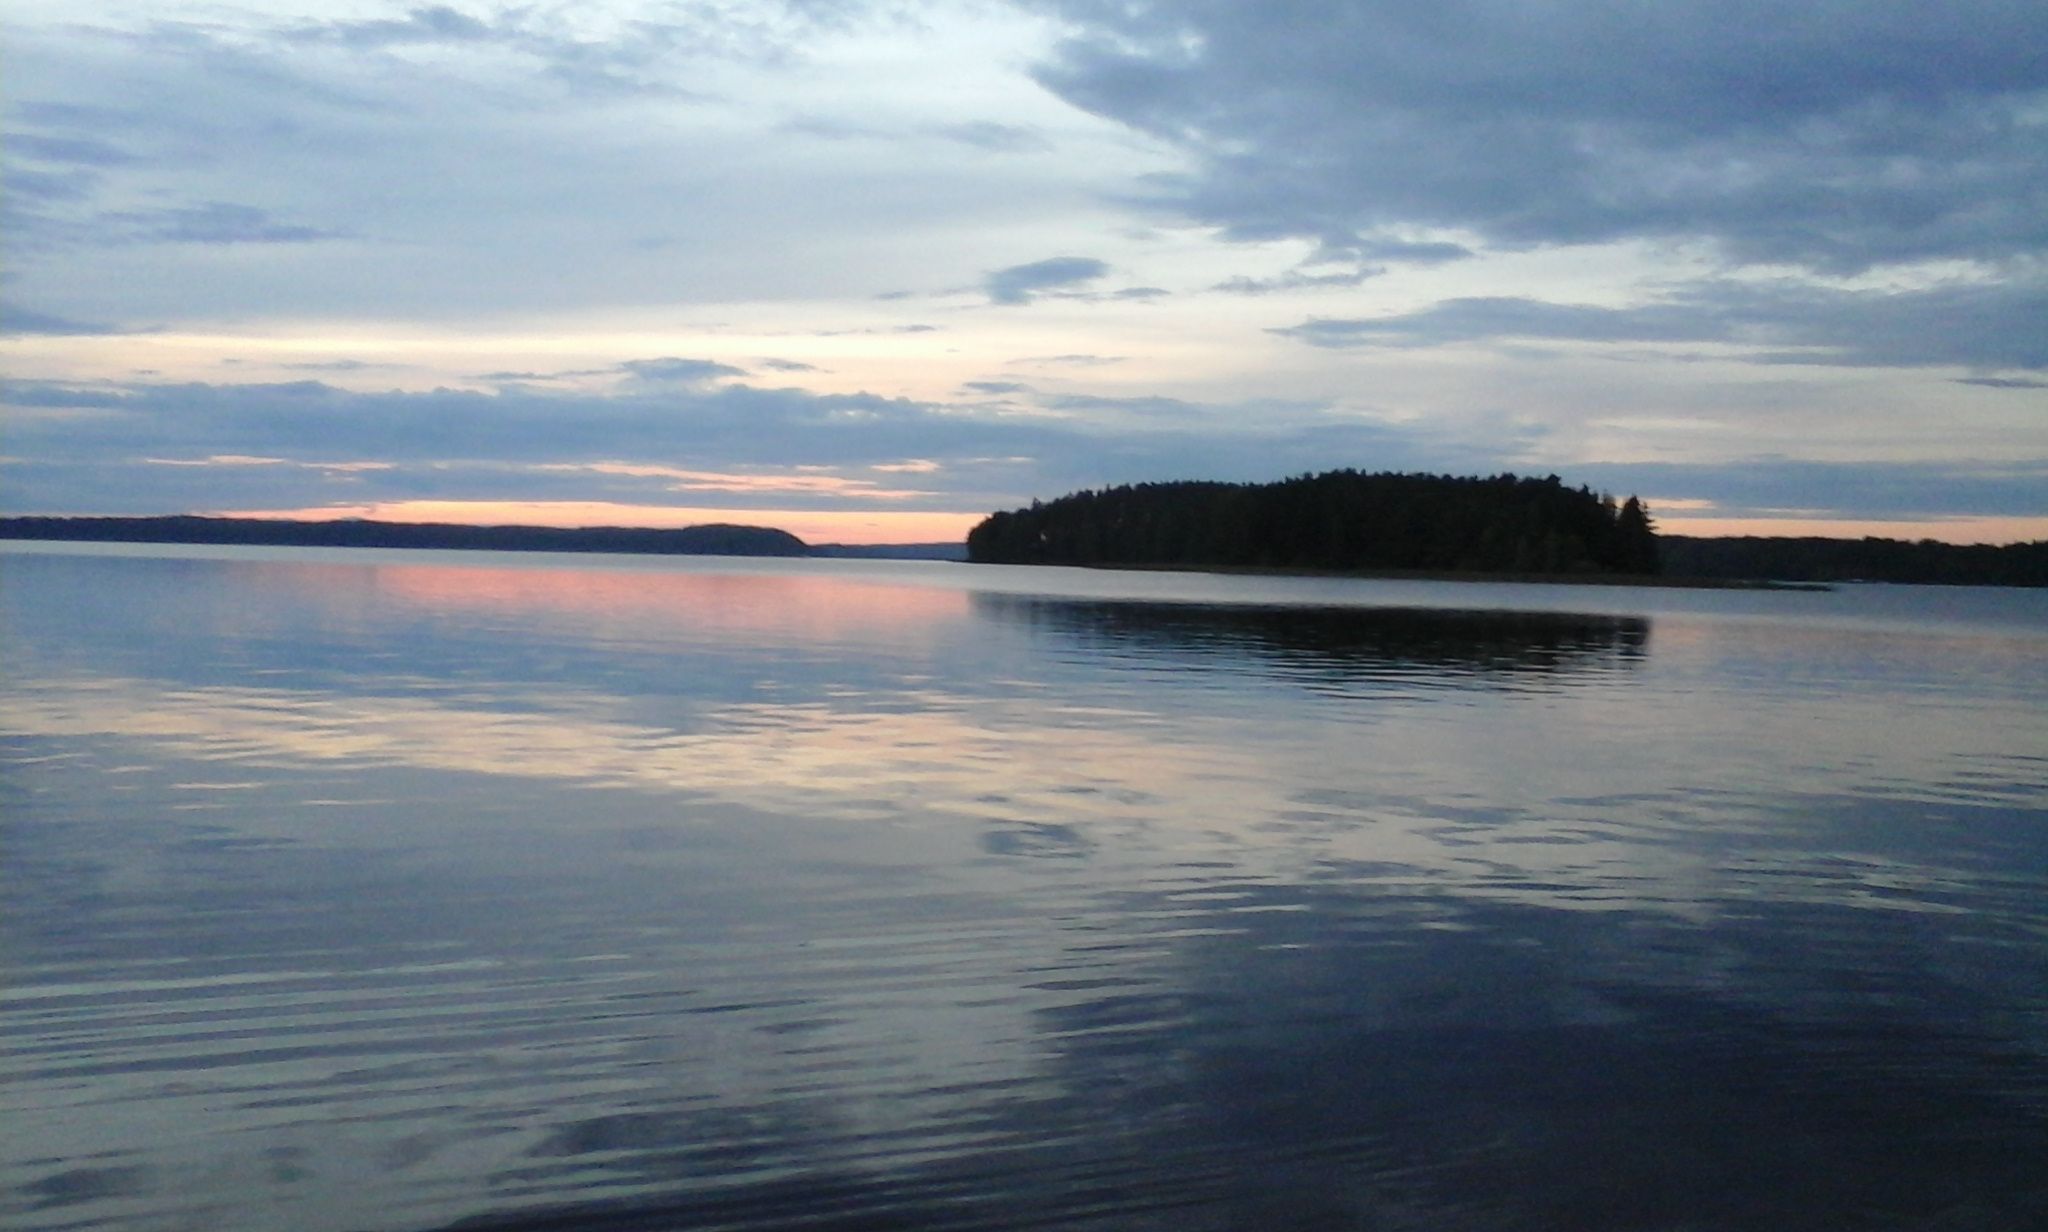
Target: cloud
(245, 126)
(435, 24)
(1487, 318)
(680, 371)
(623, 57)
(1019, 284)
(219, 459)
(67, 151)
(789, 365)
(236, 459)
(1147, 407)
(83, 448)
(715, 425)
(339, 365)
(15, 320)
(995, 138)
(1831, 136)
(776, 483)
(1415, 252)
(1077, 360)
(1979, 325)
(1860, 490)
(2003, 382)
(215, 222)
(1293, 280)
(142, 447)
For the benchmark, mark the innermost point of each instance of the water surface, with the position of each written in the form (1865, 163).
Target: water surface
(358, 890)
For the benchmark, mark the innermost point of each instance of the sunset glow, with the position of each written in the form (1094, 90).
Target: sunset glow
(811, 526)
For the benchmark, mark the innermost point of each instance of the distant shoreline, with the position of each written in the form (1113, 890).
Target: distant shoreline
(715, 539)
(1472, 575)
(1742, 563)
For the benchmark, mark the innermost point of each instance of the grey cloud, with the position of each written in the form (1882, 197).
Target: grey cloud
(455, 443)
(1073, 360)
(435, 24)
(67, 151)
(996, 387)
(340, 365)
(831, 128)
(1983, 326)
(311, 420)
(485, 445)
(1156, 407)
(1294, 280)
(789, 365)
(630, 62)
(1418, 252)
(215, 222)
(1831, 135)
(1018, 284)
(47, 173)
(43, 187)
(871, 330)
(680, 371)
(59, 396)
(1877, 490)
(1494, 317)
(2003, 382)
(15, 320)
(997, 138)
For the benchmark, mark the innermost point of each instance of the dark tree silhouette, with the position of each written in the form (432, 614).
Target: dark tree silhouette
(1636, 539)
(1868, 560)
(1336, 520)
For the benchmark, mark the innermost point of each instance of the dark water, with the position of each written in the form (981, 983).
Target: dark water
(400, 891)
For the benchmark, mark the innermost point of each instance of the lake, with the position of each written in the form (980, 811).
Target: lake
(408, 890)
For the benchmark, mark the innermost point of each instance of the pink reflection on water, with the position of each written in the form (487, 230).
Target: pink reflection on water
(763, 607)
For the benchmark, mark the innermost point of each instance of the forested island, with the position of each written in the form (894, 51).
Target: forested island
(1338, 520)
(717, 539)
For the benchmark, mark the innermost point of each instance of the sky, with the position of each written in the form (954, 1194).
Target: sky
(869, 271)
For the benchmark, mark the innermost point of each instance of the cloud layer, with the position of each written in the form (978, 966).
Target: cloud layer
(929, 256)
(1834, 136)
(144, 448)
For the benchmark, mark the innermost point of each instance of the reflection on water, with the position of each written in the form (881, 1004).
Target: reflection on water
(1443, 645)
(392, 893)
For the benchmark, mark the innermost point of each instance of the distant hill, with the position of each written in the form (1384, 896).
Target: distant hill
(717, 539)
(892, 551)
(1340, 520)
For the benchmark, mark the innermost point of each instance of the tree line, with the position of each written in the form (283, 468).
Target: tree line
(713, 539)
(1925, 561)
(1342, 519)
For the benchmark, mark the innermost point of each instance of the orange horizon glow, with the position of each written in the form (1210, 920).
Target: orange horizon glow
(862, 526)
(678, 605)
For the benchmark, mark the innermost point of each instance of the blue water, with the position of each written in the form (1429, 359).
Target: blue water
(360, 890)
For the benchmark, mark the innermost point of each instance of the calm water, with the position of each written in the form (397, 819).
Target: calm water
(408, 891)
